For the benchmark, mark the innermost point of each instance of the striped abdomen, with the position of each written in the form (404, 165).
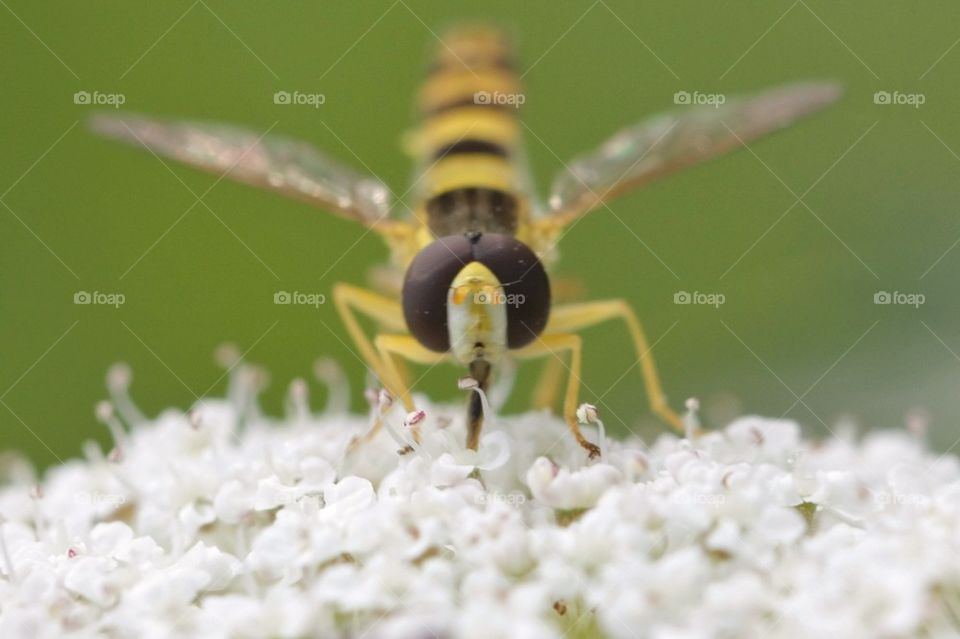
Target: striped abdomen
(467, 138)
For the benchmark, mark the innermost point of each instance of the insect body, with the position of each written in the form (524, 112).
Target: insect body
(477, 245)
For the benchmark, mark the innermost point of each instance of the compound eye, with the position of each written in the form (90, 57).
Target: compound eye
(425, 289)
(525, 284)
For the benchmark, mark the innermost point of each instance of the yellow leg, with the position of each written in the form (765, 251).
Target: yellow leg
(410, 349)
(575, 317)
(553, 345)
(387, 312)
(397, 380)
(545, 393)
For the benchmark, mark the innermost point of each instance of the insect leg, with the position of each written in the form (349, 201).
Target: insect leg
(410, 349)
(566, 289)
(387, 312)
(576, 317)
(553, 345)
(545, 392)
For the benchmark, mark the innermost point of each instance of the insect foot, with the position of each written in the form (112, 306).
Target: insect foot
(588, 414)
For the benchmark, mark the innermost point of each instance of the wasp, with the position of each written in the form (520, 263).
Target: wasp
(476, 245)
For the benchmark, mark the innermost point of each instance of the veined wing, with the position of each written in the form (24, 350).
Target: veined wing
(278, 164)
(672, 141)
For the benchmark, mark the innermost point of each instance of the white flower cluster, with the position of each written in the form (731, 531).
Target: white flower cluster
(225, 523)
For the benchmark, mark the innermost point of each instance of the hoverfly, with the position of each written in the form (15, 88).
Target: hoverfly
(477, 245)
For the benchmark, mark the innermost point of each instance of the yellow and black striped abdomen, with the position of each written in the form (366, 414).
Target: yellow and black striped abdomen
(466, 141)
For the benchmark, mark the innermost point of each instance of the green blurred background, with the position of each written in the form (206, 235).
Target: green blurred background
(799, 318)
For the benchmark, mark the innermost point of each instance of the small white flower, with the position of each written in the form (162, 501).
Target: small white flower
(780, 526)
(346, 498)
(564, 489)
(222, 522)
(90, 578)
(727, 538)
(446, 471)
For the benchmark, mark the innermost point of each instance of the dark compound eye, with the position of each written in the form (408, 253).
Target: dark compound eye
(428, 279)
(425, 289)
(524, 281)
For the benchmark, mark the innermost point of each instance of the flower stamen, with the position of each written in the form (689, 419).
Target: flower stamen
(107, 416)
(119, 378)
(691, 419)
(588, 414)
(11, 574)
(329, 373)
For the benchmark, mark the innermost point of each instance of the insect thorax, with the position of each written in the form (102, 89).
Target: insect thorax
(467, 209)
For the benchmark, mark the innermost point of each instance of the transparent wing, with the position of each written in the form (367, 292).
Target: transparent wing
(289, 167)
(672, 141)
